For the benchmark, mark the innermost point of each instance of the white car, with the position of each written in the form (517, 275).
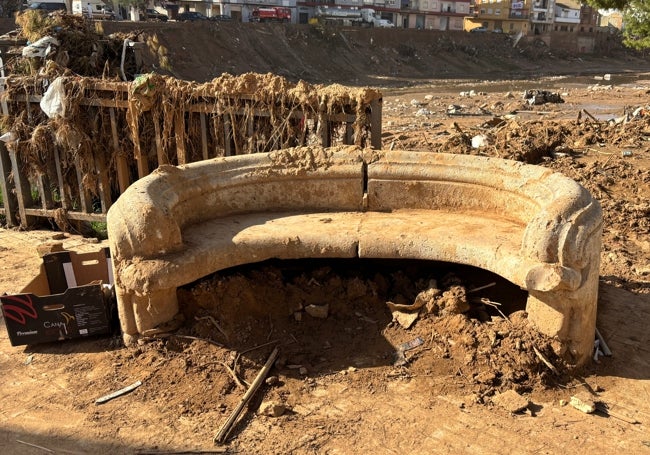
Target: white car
(384, 23)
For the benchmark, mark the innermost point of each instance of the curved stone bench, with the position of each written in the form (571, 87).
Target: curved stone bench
(538, 229)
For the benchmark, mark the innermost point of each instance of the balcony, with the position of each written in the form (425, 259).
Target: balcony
(518, 14)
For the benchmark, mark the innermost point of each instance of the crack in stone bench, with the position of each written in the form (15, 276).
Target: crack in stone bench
(536, 228)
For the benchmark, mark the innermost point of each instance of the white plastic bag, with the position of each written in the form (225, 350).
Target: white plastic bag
(40, 48)
(53, 101)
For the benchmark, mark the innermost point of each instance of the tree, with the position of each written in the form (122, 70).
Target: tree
(636, 18)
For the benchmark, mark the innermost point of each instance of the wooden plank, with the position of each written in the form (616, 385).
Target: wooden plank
(85, 199)
(348, 139)
(325, 133)
(65, 202)
(23, 191)
(233, 133)
(227, 135)
(375, 123)
(250, 133)
(141, 160)
(204, 137)
(179, 132)
(97, 102)
(8, 199)
(120, 161)
(160, 153)
(44, 191)
(52, 213)
(104, 182)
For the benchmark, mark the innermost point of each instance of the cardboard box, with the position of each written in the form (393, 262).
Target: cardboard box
(71, 297)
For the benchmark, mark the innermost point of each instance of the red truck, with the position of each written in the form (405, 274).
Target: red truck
(271, 14)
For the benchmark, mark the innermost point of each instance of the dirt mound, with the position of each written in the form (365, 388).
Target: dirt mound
(374, 309)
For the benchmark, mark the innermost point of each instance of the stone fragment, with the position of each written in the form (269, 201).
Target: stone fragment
(583, 403)
(317, 311)
(272, 409)
(406, 320)
(511, 401)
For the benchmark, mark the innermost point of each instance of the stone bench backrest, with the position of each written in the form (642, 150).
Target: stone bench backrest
(544, 204)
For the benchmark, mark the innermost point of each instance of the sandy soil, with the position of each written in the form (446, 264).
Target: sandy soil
(468, 381)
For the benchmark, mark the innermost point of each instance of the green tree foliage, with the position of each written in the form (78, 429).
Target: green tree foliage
(636, 20)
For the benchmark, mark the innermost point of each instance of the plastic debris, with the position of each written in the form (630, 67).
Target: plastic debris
(402, 348)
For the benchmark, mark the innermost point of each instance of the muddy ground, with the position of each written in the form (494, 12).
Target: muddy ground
(340, 384)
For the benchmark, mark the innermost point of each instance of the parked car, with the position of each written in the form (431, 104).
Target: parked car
(221, 17)
(384, 23)
(191, 16)
(105, 13)
(151, 14)
(479, 30)
(47, 7)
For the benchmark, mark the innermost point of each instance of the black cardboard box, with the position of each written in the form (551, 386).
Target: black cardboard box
(71, 297)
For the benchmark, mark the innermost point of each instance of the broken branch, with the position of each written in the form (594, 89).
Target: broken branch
(214, 322)
(118, 393)
(547, 362)
(227, 426)
(480, 288)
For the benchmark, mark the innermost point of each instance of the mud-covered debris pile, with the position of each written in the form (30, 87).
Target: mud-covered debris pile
(531, 141)
(454, 332)
(64, 43)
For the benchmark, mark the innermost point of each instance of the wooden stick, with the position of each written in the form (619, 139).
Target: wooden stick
(603, 345)
(188, 337)
(591, 116)
(227, 426)
(34, 445)
(233, 375)
(480, 288)
(120, 392)
(602, 408)
(547, 362)
(214, 322)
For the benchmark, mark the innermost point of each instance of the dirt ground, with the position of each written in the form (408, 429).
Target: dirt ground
(461, 378)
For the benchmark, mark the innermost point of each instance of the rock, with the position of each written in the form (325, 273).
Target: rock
(406, 320)
(317, 311)
(272, 409)
(583, 403)
(511, 401)
(272, 380)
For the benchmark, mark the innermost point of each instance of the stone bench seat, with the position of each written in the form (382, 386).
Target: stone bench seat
(538, 229)
(423, 234)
